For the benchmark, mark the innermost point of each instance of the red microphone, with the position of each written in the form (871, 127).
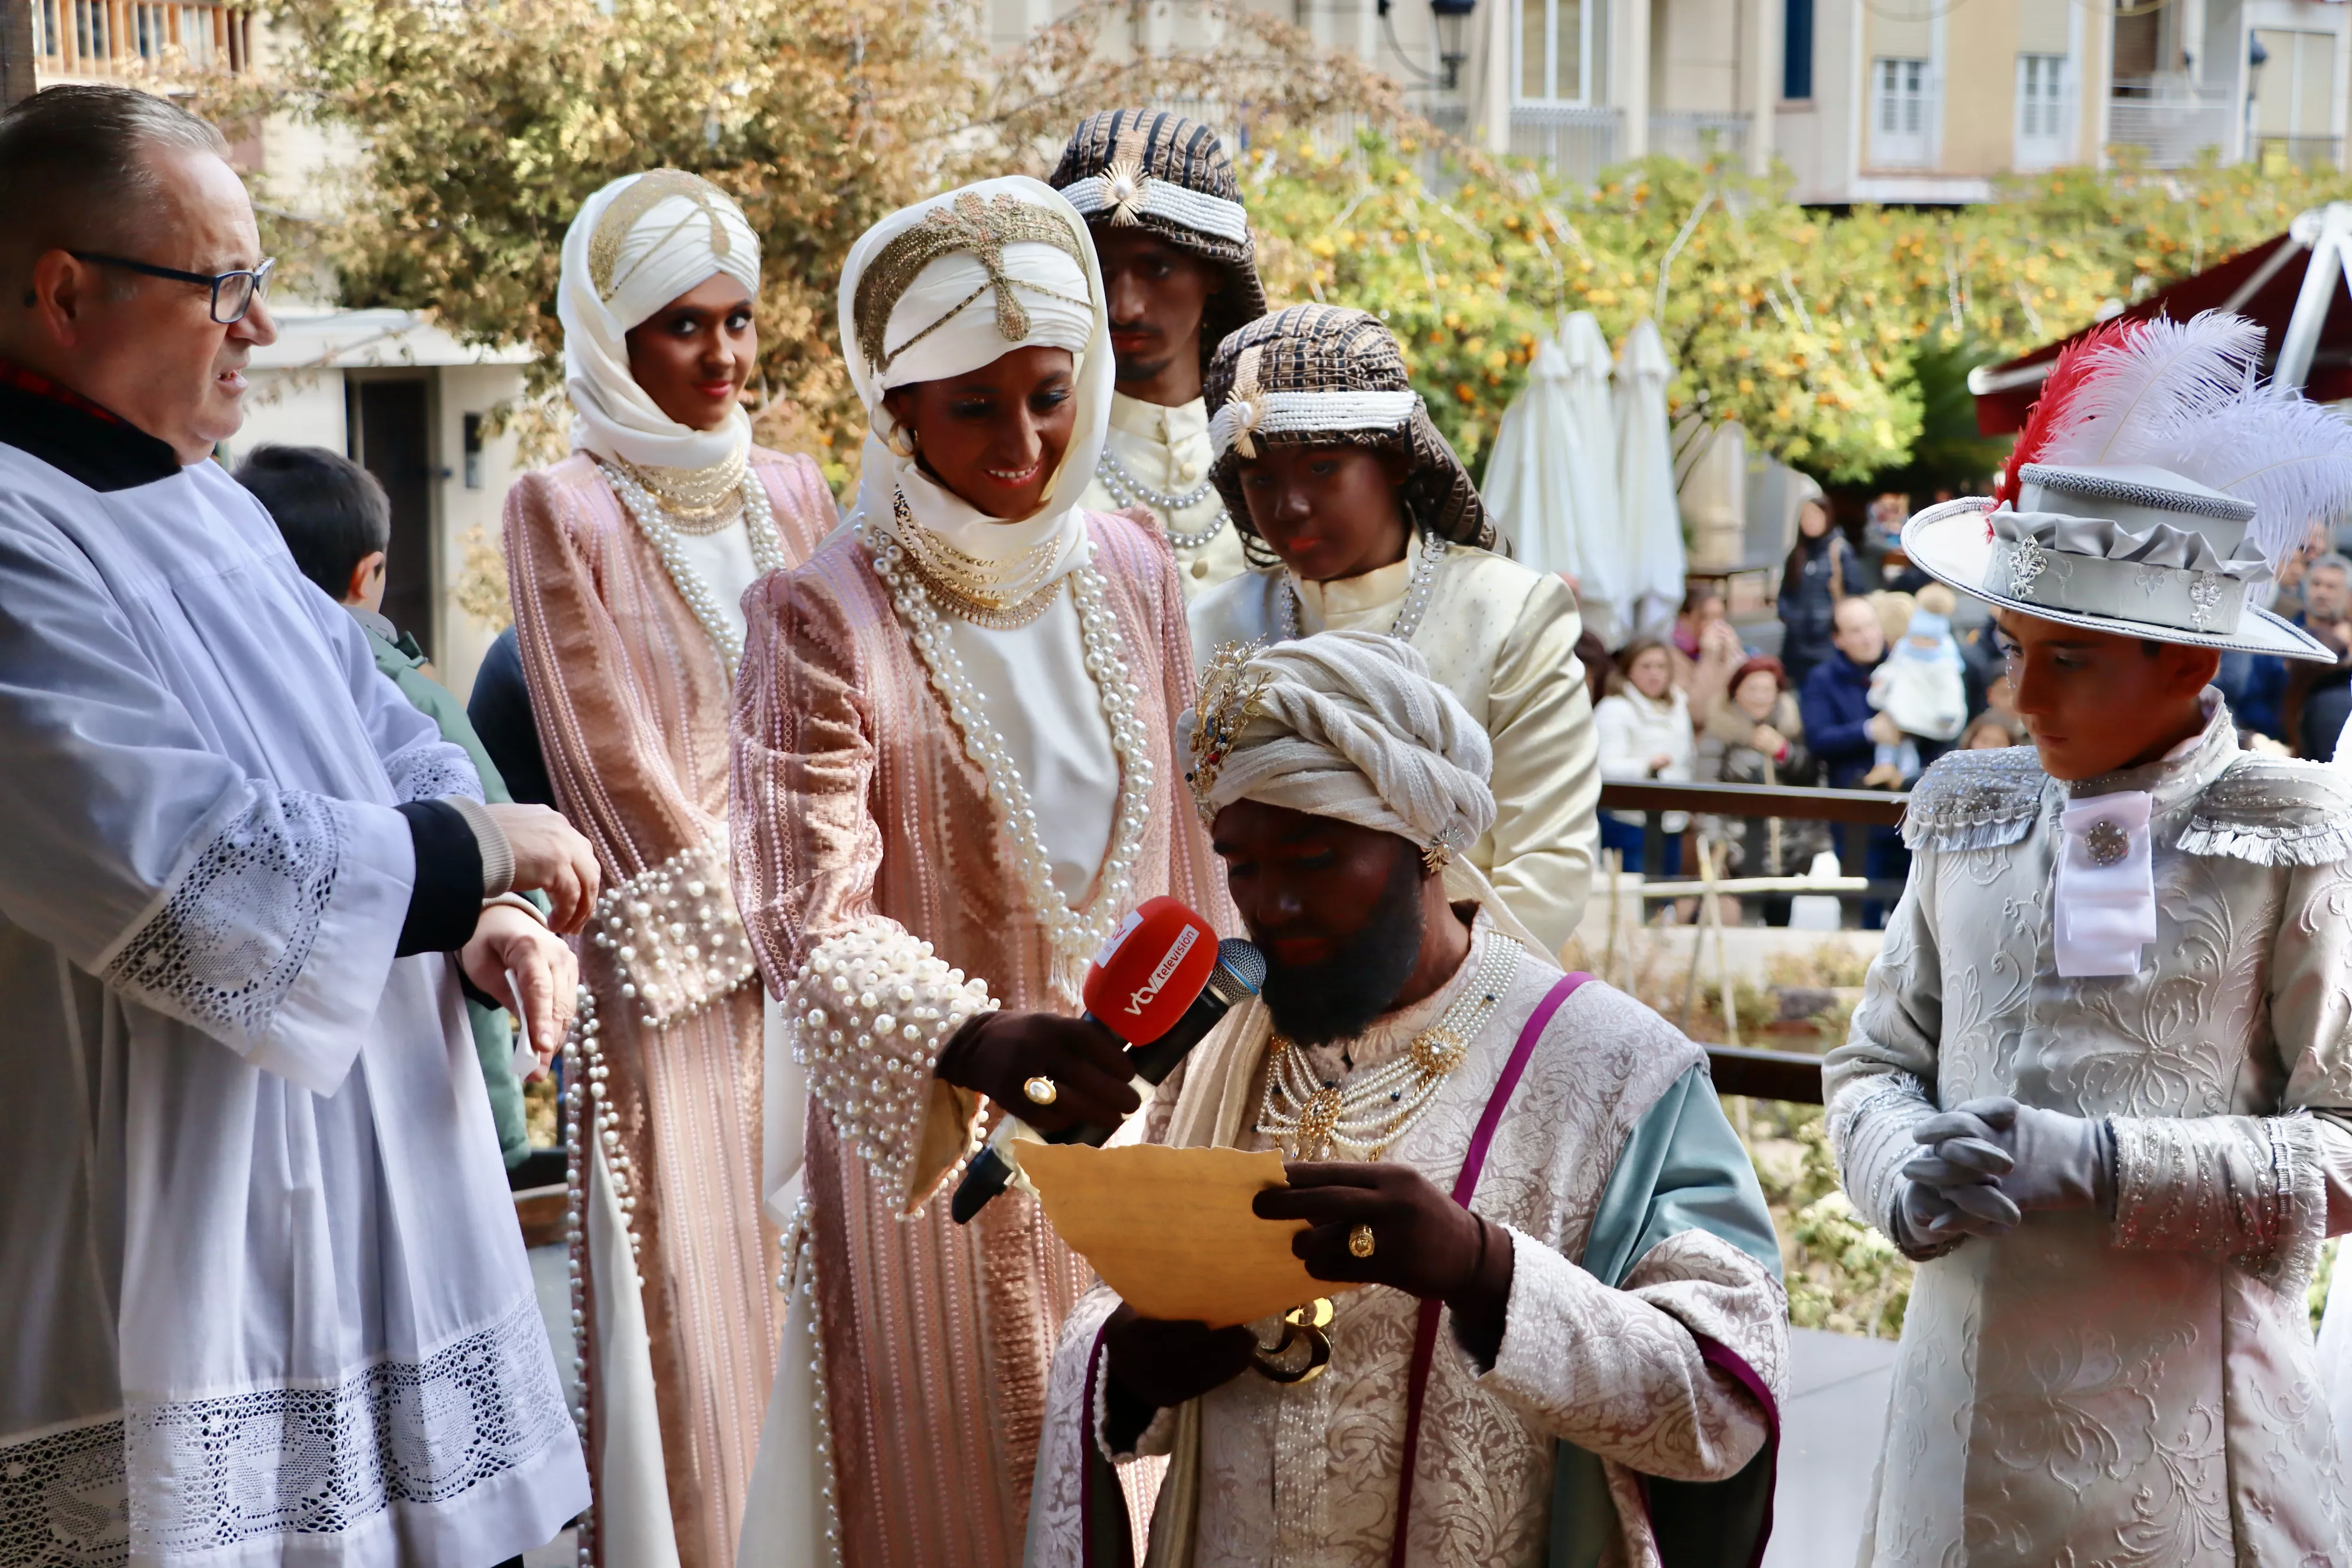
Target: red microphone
(1150, 971)
(1161, 983)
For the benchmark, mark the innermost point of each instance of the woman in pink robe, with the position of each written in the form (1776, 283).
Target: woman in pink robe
(627, 560)
(954, 775)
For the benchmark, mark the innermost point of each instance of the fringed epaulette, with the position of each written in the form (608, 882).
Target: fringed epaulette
(2273, 811)
(1975, 800)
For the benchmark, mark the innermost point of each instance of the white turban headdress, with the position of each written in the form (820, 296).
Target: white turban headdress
(1349, 724)
(947, 286)
(1346, 724)
(638, 244)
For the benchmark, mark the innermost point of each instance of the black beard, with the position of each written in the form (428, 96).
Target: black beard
(1338, 999)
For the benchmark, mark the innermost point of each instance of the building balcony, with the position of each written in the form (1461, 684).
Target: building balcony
(1573, 141)
(1696, 136)
(2170, 122)
(85, 39)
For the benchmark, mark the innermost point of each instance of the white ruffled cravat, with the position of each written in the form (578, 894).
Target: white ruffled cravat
(2107, 886)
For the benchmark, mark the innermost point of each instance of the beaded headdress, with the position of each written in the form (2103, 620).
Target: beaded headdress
(644, 193)
(982, 226)
(1327, 375)
(1155, 170)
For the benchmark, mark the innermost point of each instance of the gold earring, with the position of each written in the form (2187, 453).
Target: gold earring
(902, 441)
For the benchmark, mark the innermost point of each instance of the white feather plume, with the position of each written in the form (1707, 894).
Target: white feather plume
(2289, 456)
(2160, 377)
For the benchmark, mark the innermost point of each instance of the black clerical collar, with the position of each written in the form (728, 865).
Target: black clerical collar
(76, 437)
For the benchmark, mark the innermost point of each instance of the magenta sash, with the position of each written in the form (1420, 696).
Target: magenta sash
(1425, 1339)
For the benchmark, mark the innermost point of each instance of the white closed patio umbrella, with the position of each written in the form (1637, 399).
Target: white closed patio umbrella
(1603, 572)
(1532, 474)
(1645, 481)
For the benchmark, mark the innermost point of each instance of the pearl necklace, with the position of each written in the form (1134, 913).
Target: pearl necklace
(1127, 491)
(1073, 938)
(1417, 592)
(1317, 1118)
(654, 522)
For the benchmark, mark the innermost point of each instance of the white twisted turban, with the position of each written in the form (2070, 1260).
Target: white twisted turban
(1346, 724)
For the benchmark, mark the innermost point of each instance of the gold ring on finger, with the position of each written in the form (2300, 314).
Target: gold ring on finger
(1360, 1242)
(1041, 1090)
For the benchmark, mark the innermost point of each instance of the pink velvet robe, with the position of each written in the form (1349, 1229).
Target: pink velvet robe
(857, 806)
(631, 702)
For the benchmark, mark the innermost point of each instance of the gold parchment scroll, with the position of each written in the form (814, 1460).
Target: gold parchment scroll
(1170, 1229)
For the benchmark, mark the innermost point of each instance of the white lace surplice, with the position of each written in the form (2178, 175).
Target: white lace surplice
(263, 1286)
(2140, 1391)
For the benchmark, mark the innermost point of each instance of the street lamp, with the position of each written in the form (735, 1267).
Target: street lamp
(1453, 22)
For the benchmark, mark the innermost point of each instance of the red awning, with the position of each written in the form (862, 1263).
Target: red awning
(2261, 284)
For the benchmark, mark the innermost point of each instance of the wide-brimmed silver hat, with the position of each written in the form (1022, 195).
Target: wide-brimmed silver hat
(2127, 549)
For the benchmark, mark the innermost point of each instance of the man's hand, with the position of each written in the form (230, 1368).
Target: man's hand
(1882, 729)
(998, 1054)
(550, 858)
(1423, 1243)
(1164, 1365)
(506, 939)
(1769, 740)
(1660, 760)
(1721, 644)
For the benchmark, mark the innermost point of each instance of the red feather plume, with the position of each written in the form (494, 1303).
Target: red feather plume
(2051, 410)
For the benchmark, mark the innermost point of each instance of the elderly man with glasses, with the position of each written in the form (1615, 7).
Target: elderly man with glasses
(265, 1298)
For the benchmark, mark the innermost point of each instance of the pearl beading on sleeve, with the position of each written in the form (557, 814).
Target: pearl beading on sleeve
(2245, 1187)
(674, 930)
(871, 1012)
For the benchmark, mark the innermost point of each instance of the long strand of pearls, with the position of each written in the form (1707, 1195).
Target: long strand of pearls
(654, 522)
(1417, 592)
(589, 1123)
(1073, 937)
(1127, 491)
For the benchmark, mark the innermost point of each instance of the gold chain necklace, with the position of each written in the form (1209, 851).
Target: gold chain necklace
(1319, 1119)
(698, 501)
(982, 592)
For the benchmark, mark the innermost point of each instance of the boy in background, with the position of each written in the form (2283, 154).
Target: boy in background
(338, 523)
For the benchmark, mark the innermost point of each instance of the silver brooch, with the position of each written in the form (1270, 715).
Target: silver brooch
(2027, 561)
(2107, 843)
(2204, 598)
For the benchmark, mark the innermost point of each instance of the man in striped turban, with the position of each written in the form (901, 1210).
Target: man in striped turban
(1178, 273)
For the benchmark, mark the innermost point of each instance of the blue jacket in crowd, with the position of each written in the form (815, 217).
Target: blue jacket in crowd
(1835, 707)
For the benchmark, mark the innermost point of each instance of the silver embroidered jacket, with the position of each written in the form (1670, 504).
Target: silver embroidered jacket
(2139, 1387)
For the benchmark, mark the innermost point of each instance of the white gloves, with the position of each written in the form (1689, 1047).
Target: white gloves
(1989, 1159)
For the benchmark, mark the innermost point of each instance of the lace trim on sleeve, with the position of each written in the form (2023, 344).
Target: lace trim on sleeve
(1870, 1131)
(677, 941)
(2250, 1188)
(431, 769)
(871, 1012)
(231, 940)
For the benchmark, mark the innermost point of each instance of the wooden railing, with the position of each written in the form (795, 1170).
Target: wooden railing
(1772, 1075)
(111, 38)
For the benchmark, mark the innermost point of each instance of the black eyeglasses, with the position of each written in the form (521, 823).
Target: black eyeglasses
(234, 293)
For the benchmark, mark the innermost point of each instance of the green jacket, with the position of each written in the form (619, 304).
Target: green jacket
(402, 662)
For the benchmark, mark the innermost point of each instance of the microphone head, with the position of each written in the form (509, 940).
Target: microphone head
(1151, 970)
(1243, 962)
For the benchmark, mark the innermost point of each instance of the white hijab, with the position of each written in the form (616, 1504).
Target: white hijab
(638, 244)
(957, 338)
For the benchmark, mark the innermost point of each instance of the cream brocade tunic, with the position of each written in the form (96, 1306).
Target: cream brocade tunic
(861, 813)
(2139, 1391)
(1169, 450)
(631, 701)
(1308, 1475)
(1502, 639)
